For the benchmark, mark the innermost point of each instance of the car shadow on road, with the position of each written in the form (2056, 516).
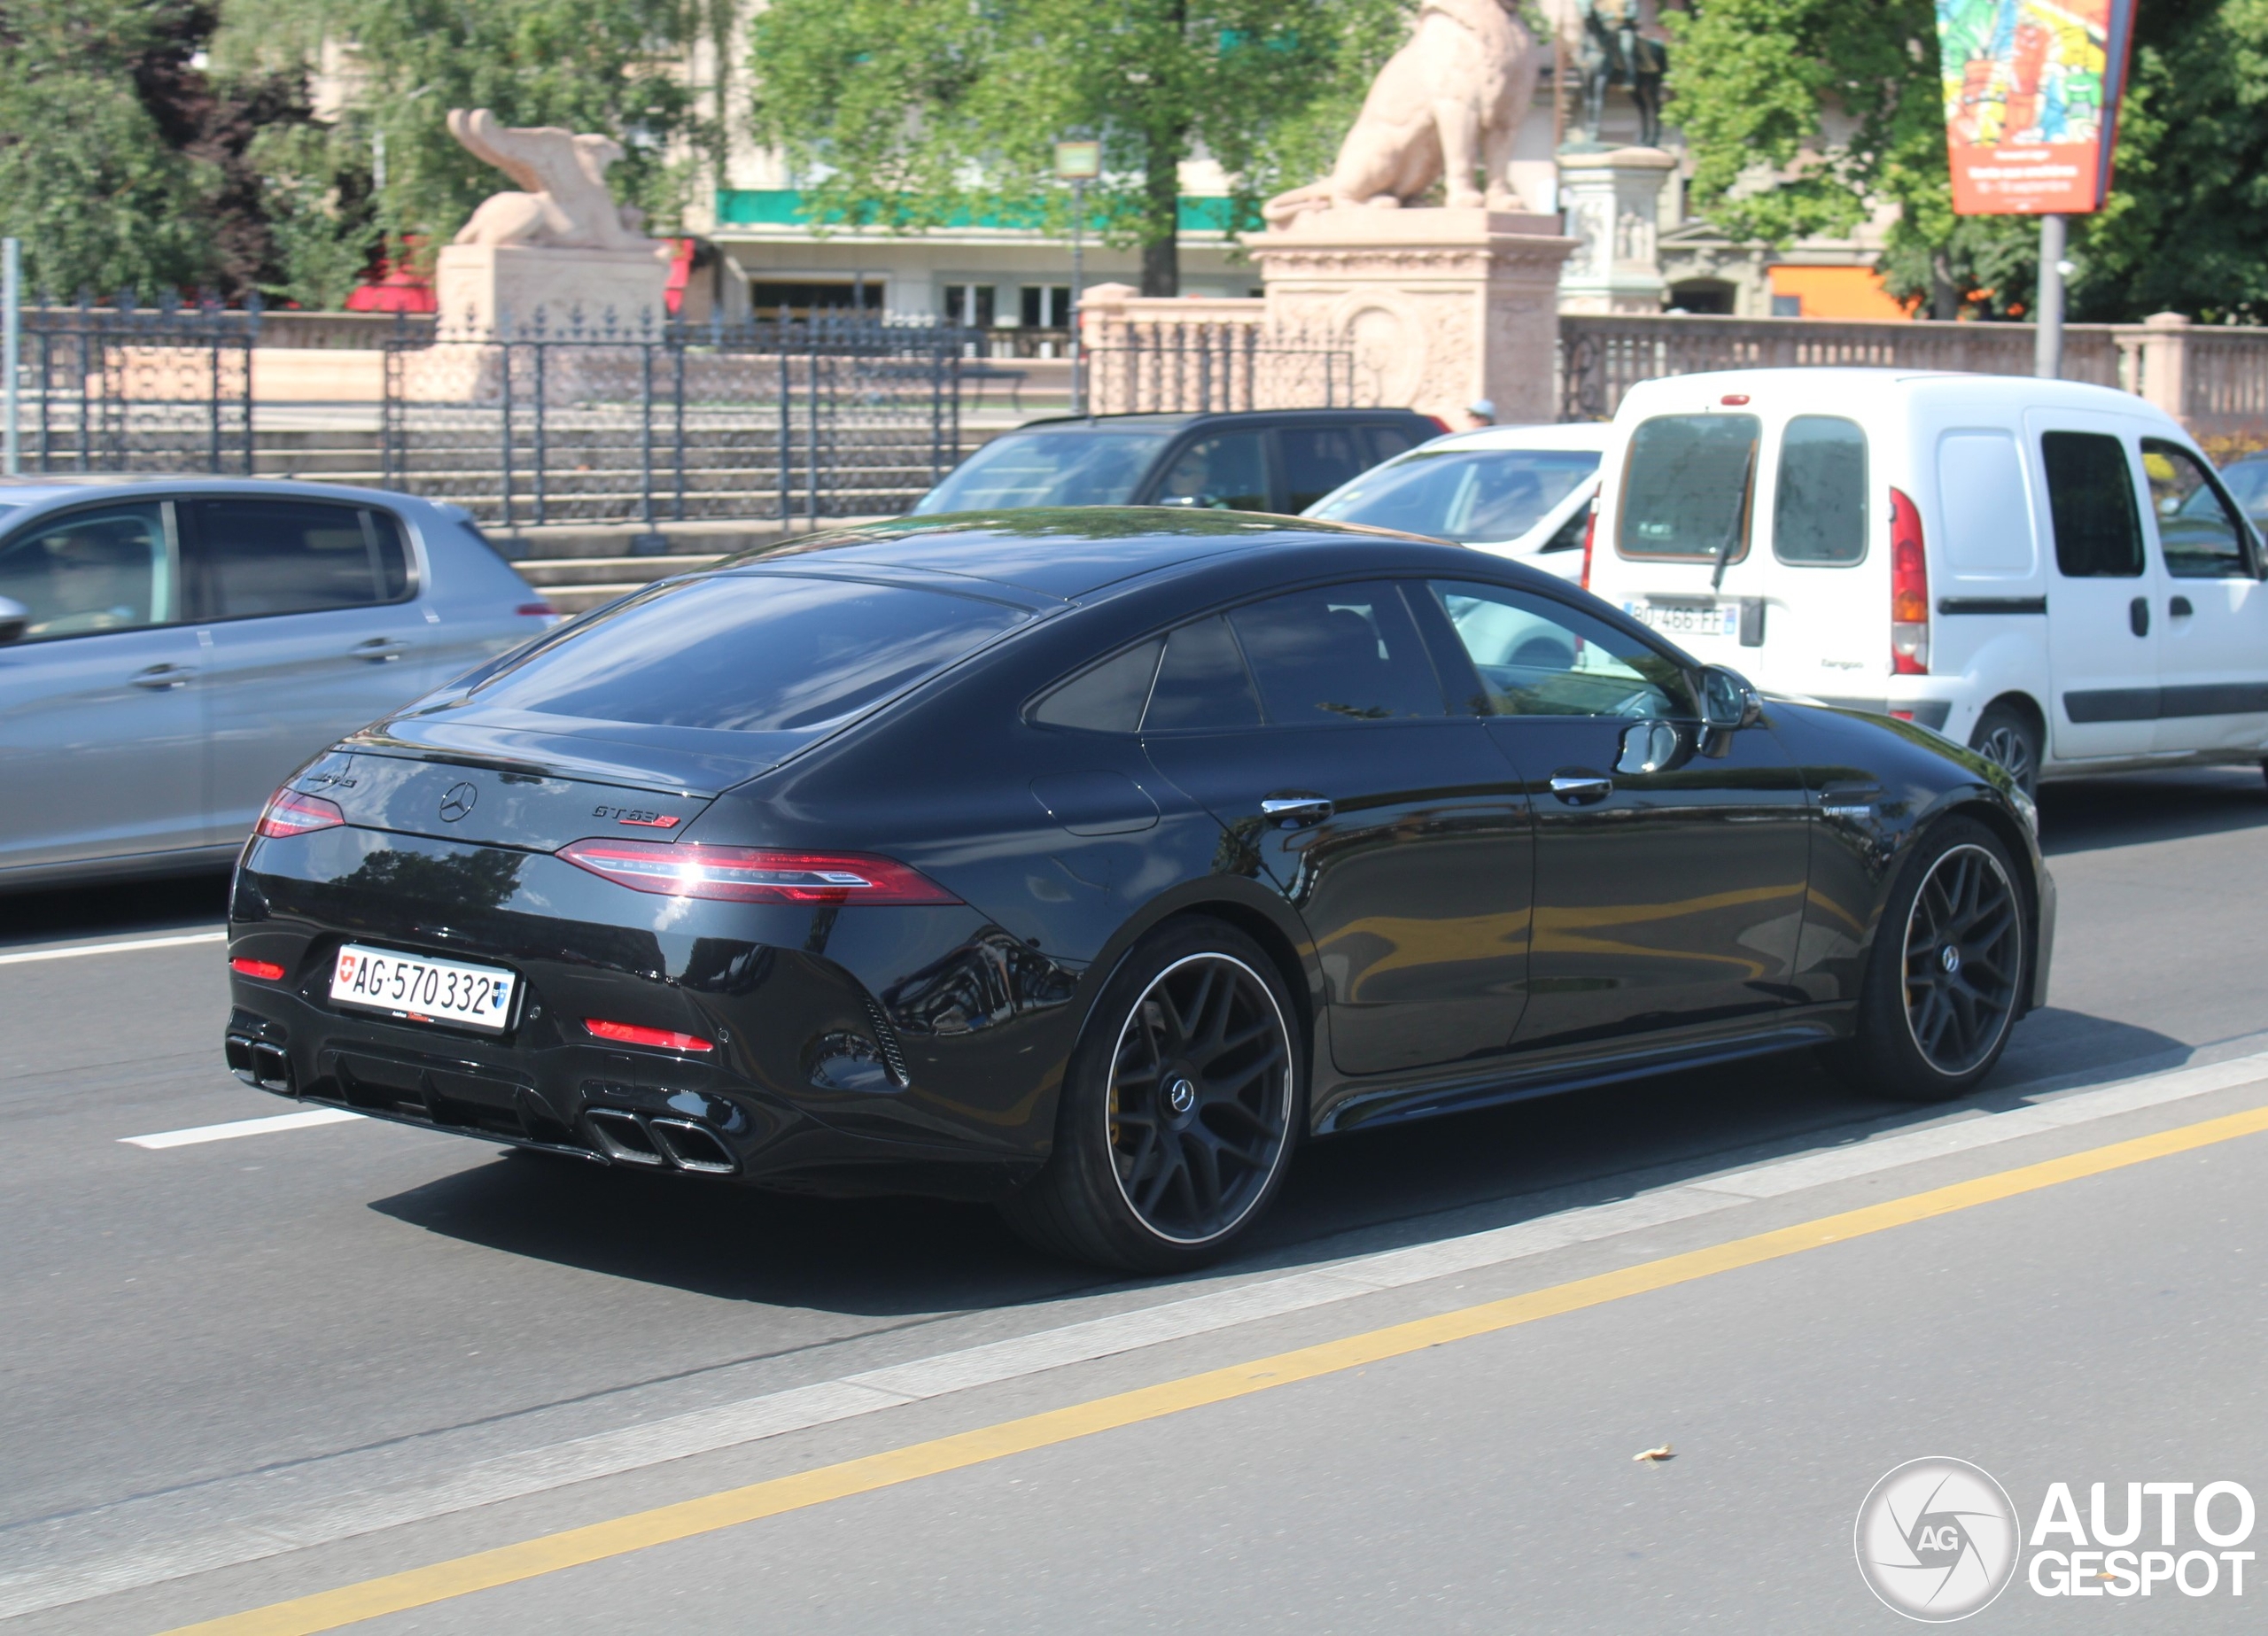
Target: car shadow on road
(2090, 815)
(1376, 1189)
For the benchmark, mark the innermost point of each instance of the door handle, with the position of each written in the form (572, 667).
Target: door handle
(380, 649)
(1576, 788)
(1294, 810)
(158, 678)
(2179, 608)
(2138, 615)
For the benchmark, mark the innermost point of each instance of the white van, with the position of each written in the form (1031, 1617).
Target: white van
(1521, 492)
(2049, 573)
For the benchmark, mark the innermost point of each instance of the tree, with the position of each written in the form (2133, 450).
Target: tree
(1804, 115)
(913, 114)
(587, 64)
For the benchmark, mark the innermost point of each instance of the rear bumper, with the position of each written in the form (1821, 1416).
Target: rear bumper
(852, 1050)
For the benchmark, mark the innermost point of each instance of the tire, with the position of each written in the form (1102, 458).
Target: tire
(1950, 967)
(1180, 1108)
(2005, 737)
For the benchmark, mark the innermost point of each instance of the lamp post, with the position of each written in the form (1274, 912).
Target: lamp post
(2047, 333)
(1078, 163)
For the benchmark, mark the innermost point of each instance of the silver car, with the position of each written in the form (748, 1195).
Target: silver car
(171, 650)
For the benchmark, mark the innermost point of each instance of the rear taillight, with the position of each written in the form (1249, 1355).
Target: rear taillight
(1439, 421)
(660, 1039)
(1591, 536)
(267, 970)
(1910, 590)
(536, 610)
(754, 874)
(290, 813)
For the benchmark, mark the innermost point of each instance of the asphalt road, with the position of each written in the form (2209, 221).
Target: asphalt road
(240, 1371)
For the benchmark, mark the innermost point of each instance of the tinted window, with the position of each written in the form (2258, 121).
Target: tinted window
(2091, 496)
(106, 570)
(1534, 656)
(1224, 473)
(1343, 654)
(1202, 682)
(1317, 460)
(2198, 530)
(1464, 494)
(267, 556)
(1981, 496)
(1819, 512)
(1107, 698)
(749, 653)
(1049, 469)
(2248, 481)
(1389, 441)
(1685, 488)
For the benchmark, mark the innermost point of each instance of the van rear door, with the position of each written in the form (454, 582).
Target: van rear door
(2105, 593)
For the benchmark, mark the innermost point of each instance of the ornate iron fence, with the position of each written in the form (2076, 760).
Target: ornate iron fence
(602, 422)
(126, 387)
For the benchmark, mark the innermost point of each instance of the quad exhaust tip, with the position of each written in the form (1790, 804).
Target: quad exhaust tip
(659, 1144)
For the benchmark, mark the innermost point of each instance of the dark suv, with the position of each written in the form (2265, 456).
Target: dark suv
(1276, 459)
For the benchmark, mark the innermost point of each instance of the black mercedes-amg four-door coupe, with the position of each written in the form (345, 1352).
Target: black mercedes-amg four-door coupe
(1089, 861)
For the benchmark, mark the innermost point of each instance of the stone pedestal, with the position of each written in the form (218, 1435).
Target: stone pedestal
(480, 288)
(1438, 306)
(1614, 204)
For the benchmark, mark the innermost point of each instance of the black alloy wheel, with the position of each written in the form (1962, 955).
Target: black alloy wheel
(2008, 740)
(1179, 1111)
(1946, 980)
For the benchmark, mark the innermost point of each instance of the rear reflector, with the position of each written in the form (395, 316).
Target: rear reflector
(536, 610)
(660, 1039)
(290, 813)
(754, 874)
(267, 970)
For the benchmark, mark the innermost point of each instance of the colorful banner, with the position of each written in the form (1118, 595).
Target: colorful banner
(2031, 90)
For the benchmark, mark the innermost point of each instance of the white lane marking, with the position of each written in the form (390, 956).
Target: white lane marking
(72, 951)
(196, 1133)
(271, 1525)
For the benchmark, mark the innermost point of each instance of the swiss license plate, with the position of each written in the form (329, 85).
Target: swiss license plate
(420, 989)
(1687, 618)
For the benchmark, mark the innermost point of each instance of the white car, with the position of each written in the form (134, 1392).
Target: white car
(1521, 492)
(2050, 573)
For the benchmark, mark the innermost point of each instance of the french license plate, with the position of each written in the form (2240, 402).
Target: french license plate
(422, 990)
(1687, 618)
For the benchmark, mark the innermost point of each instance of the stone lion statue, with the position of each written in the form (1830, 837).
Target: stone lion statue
(566, 205)
(1448, 103)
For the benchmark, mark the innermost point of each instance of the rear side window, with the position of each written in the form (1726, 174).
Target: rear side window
(250, 557)
(1224, 473)
(2091, 497)
(751, 653)
(1686, 486)
(1317, 460)
(1202, 684)
(1819, 512)
(1340, 656)
(1107, 698)
(1981, 497)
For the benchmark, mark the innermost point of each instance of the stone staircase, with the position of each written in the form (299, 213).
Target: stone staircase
(580, 565)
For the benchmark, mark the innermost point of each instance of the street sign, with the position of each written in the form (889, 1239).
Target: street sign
(2031, 90)
(1078, 161)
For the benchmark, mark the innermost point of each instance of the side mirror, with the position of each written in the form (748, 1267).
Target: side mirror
(1728, 702)
(15, 619)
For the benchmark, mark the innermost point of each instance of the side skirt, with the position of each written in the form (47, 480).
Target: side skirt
(1577, 1068)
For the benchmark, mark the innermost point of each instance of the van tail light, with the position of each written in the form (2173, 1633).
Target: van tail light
(1590, 537)
(290, 813)
(754, 874)
(1910, 590)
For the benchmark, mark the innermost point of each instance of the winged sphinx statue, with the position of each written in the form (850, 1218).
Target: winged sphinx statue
(566, 205)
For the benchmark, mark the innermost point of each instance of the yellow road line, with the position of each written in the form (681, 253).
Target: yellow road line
(420, 1587)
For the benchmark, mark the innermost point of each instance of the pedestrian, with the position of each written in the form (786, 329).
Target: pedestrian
(1481, 412)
